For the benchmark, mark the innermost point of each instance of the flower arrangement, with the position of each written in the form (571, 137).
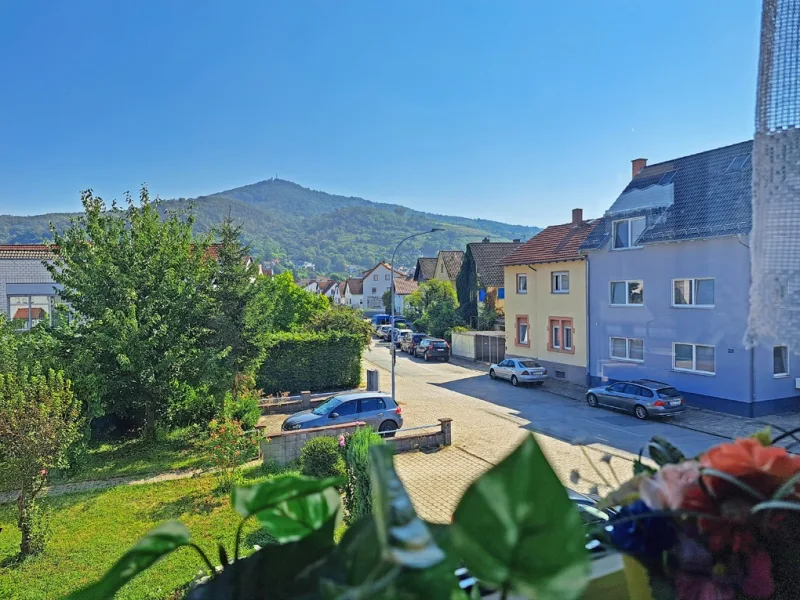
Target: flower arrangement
(722, 526)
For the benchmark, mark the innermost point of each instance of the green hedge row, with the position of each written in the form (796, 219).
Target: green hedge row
(313, 361)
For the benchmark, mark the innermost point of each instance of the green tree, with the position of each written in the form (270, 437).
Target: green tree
(387, 301)
(142, 287)
(234, 291)
(436, 305)
(344, 319)
(281, 305)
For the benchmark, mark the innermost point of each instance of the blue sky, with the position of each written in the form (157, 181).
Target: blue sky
(517, 111)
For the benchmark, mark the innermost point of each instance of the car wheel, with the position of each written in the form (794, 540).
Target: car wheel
(427, 356)
(388, 426)
(514, 380)
(591, 400)
(640, 412)
(491, 374)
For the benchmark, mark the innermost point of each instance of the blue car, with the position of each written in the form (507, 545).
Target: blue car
(374, 408)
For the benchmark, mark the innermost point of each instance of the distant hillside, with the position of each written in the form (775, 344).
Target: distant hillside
(284, 220)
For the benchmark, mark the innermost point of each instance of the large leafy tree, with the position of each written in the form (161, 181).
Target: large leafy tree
(234, 291)
(434, 307)
(281, 305)
(141, 285)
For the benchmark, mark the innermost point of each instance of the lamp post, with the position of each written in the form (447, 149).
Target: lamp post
(391, 336)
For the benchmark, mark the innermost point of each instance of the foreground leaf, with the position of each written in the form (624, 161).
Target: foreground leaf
(291, 520)
(404, 539)
(516, 529)
(250, 500)
(155, 545)
(662, 452)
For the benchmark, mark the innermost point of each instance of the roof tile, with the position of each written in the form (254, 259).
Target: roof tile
(488, 257)
(552, 244)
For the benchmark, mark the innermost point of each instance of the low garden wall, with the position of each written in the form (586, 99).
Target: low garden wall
(284, 447)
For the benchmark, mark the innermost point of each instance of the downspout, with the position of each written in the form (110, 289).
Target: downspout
(751, 412)
(588, 324)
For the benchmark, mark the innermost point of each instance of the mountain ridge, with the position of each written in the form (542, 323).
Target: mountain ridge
(284, 220)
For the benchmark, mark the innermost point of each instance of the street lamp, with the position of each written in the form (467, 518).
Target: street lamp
(391, 336)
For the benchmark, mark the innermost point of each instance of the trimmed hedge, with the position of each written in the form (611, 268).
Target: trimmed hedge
(313, 361)
(322, 457)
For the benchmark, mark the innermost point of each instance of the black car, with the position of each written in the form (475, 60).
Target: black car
(431, 348)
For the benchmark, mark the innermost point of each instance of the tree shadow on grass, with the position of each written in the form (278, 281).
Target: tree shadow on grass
(196, 503)
(260, 537)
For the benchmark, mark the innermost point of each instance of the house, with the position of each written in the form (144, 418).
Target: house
(403, 287)
(376, 281)
(330, 289)
(309, 285)
(448, 264)
(425, 269)
(353, 292)
(669, 279)
(342, 286)
(545, 299)
(481, 275)
(28, 294)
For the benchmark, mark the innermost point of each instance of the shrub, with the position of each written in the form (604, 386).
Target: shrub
(322, 457)
(315, 361)
(191, 404)
(244, 409)
(229, 447)
(358, 493)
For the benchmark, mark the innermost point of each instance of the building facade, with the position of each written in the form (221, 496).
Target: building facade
(448, 265)
(376, 281)
(669, 285)
(27, 291)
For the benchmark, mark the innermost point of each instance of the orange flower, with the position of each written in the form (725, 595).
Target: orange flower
(763, 467)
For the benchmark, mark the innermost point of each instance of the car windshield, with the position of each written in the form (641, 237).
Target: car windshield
(669, 392)
(530, 364)
(328, 406)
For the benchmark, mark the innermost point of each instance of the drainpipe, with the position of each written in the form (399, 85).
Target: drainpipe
(739, 238)
(588, 325)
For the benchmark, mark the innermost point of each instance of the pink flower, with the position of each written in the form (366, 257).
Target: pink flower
(758, 583)
(341, 441)
(43, 473)
(667, 488)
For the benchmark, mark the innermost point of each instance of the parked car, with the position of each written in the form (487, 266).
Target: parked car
(383, 332)
(373, 408)
(397, 336)
(643, 397)
(519, 370)
(430, 348)
(410, 340)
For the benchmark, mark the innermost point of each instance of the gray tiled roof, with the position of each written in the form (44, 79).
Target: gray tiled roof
(488, 257)
(709, 200)
(426, 269)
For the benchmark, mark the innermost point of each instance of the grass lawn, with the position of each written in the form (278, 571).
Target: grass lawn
(134, 458)
(92, 529)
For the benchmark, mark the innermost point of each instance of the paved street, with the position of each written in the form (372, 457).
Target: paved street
(491, 417)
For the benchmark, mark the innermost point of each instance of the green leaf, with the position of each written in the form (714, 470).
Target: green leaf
(250, 500)
(291, 520)
(156, 544)
(403, 537)
(764, 436)
(277, 571)
(788, 488)
(516, 529)
(662, 452)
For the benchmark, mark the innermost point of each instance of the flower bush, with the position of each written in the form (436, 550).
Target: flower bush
(229, 447)
(722, 526)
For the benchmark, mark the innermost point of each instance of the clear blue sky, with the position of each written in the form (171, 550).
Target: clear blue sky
(517, 111)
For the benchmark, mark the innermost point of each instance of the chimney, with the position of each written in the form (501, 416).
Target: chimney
(486, 240)
(637, 164)
(577, 216)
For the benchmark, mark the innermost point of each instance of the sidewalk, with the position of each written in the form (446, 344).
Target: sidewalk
(723, 425)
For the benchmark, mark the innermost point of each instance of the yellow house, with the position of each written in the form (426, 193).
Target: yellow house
(448, 264)
(545, 300)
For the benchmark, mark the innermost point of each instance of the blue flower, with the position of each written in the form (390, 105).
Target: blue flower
(644, 538)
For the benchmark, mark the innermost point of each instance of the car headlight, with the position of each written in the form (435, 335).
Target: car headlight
(295, 426)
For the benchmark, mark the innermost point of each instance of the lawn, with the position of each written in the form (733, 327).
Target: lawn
(181, 449)
(92, 529)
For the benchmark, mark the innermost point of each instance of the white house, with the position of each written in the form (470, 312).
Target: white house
(403, 287)
(353, 292)
(309, 285)
(331, 290)
(376, 281)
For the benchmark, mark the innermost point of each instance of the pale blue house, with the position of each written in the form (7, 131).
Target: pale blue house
(669, 280)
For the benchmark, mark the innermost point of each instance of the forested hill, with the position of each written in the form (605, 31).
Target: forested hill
(284, 220)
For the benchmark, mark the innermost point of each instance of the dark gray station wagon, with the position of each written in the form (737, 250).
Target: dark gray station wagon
(643, 397)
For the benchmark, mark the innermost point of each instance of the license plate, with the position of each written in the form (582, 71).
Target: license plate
(675, 403)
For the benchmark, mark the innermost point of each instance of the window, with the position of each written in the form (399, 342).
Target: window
(522, 283)
(522, 332)
(375, 277)
(626, 232)
(693, 292)
(559, 282)
(387, 276)
(372, 404)
(561, 333)
(631, 349)
(666, 179)
(618, 387)
(346, 408)
(374, 290)
(627, 292)
(738, 163)
(26, 312)
(780, 361)
(696, 358)
(441, 268)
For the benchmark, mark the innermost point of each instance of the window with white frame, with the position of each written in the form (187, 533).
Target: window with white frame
(555, 341)
(693, 292)
(388, 276)
(560, 337)
(623, 293)
(29, 310)
(522, 283)
(375, 277)
(627, 349)
(626, 232)
(523, 331)
(695, 358)
(780, 361)
(559, 282)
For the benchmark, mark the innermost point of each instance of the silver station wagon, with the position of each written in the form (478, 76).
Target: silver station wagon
(643, 397)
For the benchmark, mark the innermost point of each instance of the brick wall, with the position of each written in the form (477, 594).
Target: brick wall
(20, 271)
